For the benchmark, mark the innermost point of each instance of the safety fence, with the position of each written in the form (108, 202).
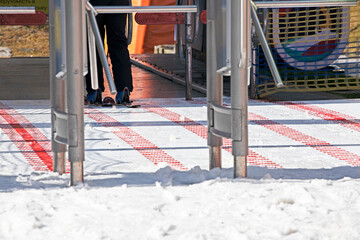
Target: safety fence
(315, 49)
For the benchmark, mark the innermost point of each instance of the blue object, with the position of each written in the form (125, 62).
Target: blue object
(123, 96)
(95, 97)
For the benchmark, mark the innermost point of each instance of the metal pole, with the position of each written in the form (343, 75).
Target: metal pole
(228, 32)
(57, 87)
(146, 9)
(269, 58)
(92, 56)
(214, 92)
(308, 3)
(130, 25)
(75, 87)
(101, 51)
(253, 71)
(188, 58)
(17, 10)
(179, 47)
(85, 44)
(240, 64)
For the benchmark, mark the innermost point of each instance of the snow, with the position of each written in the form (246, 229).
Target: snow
(313, 195)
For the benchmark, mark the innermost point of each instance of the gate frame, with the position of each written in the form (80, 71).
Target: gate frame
(68, 65)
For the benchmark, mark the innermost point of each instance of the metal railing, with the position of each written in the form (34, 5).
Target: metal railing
(94, 10)
(67, 68)
(231, 122)
(310, 3)
(17, 10)
(146, 9)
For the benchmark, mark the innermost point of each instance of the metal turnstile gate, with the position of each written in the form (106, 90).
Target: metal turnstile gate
(68, 66)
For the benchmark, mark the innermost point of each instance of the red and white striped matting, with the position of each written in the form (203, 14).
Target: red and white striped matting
(318, 134)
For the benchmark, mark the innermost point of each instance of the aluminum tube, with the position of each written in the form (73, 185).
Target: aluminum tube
(57, 91)
(59, 149)
(101, 51)
(59, 162)
(130, 28)
(197, 23)
(269, 58)
(228, 32)
(241, 169)
(85, 40)
(92, 56)
(76, 179)
(17, 10)
(90, 7)
(52, 70)
(215, 155)
(310, 3)
(180, 30)
(214, 92)
(75, 87)
(253, 75)
(130, 21)
(188, 58)
(240, 64)
(146, 9)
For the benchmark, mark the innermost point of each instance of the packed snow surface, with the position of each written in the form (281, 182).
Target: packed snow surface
(302, 191)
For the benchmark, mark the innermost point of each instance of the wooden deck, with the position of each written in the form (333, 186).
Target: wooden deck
(28, 79)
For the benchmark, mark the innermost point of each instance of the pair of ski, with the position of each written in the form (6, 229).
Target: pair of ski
(109, 102)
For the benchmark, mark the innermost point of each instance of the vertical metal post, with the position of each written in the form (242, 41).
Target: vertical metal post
(253, 71)
(92, 55)
(188, 58)
(228, 33)
(57, 87)
(267, 52)
(85, 40)
(214, 91)
(75, 87)
(240, 64)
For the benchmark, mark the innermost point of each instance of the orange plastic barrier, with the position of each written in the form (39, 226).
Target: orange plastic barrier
(145, 37)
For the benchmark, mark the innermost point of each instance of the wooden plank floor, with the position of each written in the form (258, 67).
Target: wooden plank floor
(150, 85)
(174, 67)
(28, 79)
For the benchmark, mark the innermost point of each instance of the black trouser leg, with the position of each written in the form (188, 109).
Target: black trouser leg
(118, 48)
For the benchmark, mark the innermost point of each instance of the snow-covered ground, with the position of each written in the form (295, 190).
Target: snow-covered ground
(147, 177)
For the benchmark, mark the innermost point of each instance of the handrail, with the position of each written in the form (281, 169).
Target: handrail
(145, 9)
(17, 10)
(197, 24)
(101, 51)
(130, 25)
(269, 58)
(94, 10)
(308, 3)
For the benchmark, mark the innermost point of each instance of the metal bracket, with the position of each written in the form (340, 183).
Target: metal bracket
(61, 75)
(225, 122)
(61, 132)
(60, 127)
(220, 121)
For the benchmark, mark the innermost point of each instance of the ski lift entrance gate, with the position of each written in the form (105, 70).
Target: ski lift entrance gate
(68, 54)
(67, 63)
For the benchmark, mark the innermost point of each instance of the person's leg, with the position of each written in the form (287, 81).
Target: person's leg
(118, 48)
